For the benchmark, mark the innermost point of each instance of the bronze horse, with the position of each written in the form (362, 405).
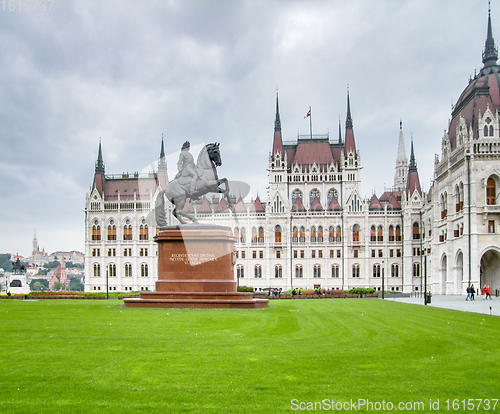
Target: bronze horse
(178, 190)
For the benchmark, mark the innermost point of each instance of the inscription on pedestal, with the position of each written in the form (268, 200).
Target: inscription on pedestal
(192, 259)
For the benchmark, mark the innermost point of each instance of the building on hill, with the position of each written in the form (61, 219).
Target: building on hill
(316, 228)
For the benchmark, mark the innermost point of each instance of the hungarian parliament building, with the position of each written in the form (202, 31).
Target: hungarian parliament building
(316, 229)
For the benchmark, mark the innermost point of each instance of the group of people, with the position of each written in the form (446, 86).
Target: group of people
(275, 292)
(471, 291)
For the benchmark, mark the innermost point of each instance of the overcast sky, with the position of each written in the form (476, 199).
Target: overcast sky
(204, 71)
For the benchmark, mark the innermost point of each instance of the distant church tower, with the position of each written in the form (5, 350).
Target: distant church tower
(401, 163)
(35, 245)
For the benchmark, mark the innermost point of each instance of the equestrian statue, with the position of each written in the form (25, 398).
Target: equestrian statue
(191, 182)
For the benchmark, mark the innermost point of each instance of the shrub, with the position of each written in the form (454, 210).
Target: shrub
(361, 291)
(245, 289)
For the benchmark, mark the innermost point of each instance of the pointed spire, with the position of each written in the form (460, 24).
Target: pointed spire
(350, 145)
(413, 164)
(162, 151)
(340, 132)
(277, 141)
(277, 122)
(490, 53)
(401, 162)
(99, 165)
(348, 122)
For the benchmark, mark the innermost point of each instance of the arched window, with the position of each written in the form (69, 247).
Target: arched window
(254, 235)
(296, 194)
(444, 207)
(314, 193)
(317, 271)
(491, 192)
(416, 231)
(395, 270)
(112, 270)
(243, 235)
(461, 196)
(127, 231)
(111, 230)
(416, 269)
(398, 233)
(376, 270)
(278, 271)
(491, 131)
(302, 234)
(240, 271)
(258, 271)
(391, 233)
(295, 234)
(299, 274)
(330, 195)
(313, 234)
(380, 234)
(236, 233)
(373, 233)
(320, 234)
(331, 234)
(128, 270)
(355, 233)
(277, 234)
(144, 270)
(261, 234)
(457, 199)
(97, 270)
(486, 130)
(96, 231)
(144, 231)
(355, 270)
(338, 235)
(335, 270)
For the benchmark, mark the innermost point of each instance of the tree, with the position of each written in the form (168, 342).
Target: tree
(39, 285)
(51, 265)
(5, 262)
(75, 285)
(57, 286)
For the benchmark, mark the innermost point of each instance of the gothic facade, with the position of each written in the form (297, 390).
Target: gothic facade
(316, 228)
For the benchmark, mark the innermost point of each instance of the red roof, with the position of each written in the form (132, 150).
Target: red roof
(257, 206)
(188, 207)
(375, 204)
(413, 183)
(240, 207)
(298, 206)
(142, 187)
(316, 205)
(334, 205)
(221, 207)
(393, 203)
(204, 207)
(313, 152)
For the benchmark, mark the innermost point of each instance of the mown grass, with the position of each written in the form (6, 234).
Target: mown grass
(96, 356)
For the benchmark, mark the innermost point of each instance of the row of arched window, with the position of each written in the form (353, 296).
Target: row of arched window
(335, 271)
(317, 234)
(313, 194)
(127, 230)
(111, 269)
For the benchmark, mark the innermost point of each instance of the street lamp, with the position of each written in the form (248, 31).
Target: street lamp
(383, 268)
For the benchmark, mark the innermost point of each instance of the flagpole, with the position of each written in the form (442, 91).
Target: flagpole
(310, 123)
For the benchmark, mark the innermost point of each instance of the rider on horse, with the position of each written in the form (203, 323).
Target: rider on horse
(187, 167)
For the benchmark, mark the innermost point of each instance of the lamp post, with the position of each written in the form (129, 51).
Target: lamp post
(467, 156)
(107, 284)
(383, 288)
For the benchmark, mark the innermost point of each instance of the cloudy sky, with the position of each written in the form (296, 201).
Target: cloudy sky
(128, 72)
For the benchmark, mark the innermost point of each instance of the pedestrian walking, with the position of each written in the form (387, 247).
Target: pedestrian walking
(468, 293)
(472, 291)
(488, 293)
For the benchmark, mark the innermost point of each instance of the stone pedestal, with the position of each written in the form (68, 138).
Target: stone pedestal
(195, 270)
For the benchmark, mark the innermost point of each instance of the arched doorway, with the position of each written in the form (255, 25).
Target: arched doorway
(444, 271)
(490, 270)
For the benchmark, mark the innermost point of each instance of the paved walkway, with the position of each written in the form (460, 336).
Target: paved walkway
(458, 302)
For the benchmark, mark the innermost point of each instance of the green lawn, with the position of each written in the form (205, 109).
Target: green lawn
(62, 356)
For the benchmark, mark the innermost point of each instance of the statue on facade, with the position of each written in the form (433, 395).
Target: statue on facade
(191, 182)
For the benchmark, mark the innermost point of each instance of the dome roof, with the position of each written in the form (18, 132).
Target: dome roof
(483, 91)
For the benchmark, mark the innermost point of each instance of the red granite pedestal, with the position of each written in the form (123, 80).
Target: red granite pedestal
(195, 270)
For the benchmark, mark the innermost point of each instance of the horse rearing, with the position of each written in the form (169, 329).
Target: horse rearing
(177, 190)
